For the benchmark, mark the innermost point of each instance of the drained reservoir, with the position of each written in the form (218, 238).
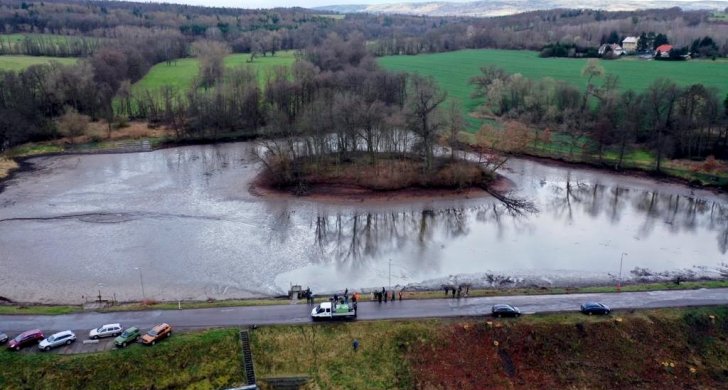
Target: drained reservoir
(185, 221)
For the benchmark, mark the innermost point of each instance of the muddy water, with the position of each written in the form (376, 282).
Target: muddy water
(184, 221)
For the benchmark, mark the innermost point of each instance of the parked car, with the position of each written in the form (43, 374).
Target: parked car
(157, 333)
(107, 330)
(57, 339)
(503, 310)
(595, 308)
(3, 338)
(25, 339)
(130, 335)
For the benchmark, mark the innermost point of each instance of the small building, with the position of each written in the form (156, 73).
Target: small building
(606, 48)
(663, 51)
(629, 44)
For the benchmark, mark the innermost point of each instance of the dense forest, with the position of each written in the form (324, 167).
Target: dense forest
(296, 28)
(335, 76)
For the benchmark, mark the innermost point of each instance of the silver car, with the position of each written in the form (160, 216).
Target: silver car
(57, 339)
(107, 330)
(3, 338)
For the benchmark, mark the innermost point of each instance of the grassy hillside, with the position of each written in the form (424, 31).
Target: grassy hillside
(182, 73)
(453, 70)
(667, 348)
(208, 360)
(16, 63)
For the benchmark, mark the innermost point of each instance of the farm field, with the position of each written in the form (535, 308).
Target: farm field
(181, 73)
(16, 63)
(15, 38)
(453, 70)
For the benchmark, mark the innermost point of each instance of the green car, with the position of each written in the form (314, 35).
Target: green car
(130, 335)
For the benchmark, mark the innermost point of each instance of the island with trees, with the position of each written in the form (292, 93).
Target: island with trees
(339, 124)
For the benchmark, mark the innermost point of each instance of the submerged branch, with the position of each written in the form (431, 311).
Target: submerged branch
(513, 205)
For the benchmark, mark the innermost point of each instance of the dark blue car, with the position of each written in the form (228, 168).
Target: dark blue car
(594, 308)
(505, 311)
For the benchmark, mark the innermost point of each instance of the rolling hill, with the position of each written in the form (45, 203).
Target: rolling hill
(509, 7)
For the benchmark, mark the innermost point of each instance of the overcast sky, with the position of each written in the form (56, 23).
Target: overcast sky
(302, 3)
(283, 3)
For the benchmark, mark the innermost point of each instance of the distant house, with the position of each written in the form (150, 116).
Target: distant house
(606, 48)
(663, 51)
(629, 44)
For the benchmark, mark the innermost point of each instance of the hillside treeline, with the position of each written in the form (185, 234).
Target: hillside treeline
(45, 45)
(32, 99)
(296, 28)
(306, 97)
(673, 121)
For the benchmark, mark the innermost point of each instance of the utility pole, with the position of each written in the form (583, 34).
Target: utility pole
(99, 285)
(390, 274)
(619, 281)
(141, 283)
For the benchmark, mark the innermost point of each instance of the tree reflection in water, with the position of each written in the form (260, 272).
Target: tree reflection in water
(372, 234)
(351, 235)
(680, 213)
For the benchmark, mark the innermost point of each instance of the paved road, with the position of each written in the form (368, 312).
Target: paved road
(298, 314)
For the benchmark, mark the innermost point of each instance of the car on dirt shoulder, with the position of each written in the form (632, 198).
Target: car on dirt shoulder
(129, 336)
(158, 332)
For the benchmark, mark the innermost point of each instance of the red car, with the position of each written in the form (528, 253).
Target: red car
(29, 337)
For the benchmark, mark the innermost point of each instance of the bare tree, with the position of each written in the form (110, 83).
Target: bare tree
(423, 98)
(211, 55)
(455, 124)
(661, 97)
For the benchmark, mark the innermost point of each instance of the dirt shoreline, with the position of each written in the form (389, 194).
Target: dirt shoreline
(627, 172)
(346, 193)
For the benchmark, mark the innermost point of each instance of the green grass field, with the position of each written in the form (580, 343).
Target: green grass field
(453, 70)
(719, 17)
(17, 63)
(15, 38)
(181, 74)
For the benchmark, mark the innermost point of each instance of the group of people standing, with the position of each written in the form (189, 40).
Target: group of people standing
(344, 299)
(385, 295)
(308, 295)
(379, 296)
(459, 290)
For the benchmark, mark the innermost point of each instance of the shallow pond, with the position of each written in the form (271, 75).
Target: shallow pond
(183, 223)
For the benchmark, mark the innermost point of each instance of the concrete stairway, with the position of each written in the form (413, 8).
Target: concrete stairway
(247, 358)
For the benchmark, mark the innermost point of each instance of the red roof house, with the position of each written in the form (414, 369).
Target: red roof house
(663, 50)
